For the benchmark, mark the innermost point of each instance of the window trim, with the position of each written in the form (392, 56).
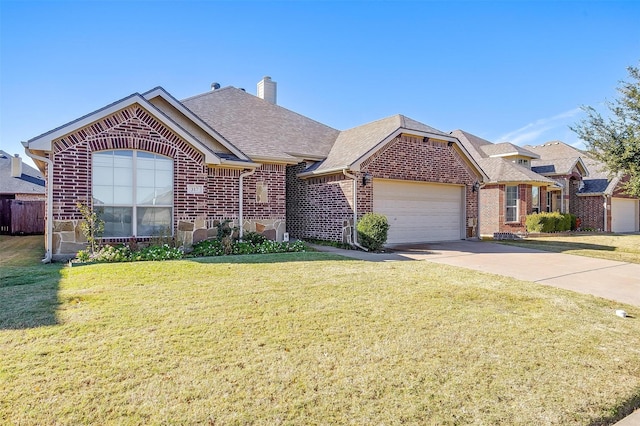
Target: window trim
(507, 206)
(134, 195)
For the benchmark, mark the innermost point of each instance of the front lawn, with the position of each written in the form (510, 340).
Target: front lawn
(620, 247)
(311, 338)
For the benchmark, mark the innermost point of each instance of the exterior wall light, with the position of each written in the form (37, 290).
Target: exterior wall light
(475, 187)
(366, 178)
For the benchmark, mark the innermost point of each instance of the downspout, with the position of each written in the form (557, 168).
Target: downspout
(49, 215)
(355, 209)
(240, 212)
(605, 213)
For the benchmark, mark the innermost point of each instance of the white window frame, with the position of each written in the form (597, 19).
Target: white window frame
(135, 205)
(507, 206)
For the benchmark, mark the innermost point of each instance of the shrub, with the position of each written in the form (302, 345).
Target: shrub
(254, 237)
(372, 231)
(550, 222)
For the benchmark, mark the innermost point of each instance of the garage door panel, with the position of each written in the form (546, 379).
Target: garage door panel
(624, 215)
(418, 211)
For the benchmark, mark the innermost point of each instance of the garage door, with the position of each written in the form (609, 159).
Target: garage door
(419, 212)
(624, 215)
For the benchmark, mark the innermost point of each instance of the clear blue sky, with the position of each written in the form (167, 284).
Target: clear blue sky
(507, 71)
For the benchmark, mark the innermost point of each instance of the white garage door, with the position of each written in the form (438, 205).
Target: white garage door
(624, 215)
(419, 212)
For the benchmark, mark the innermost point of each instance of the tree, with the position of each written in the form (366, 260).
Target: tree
(616, 140)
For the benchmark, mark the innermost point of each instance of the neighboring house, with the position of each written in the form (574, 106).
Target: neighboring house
(595, 197)
(21, 195)
(151, 165)
(550, 177)
(513, 190)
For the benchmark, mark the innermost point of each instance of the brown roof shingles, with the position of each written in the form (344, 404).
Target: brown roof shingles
(261, 129)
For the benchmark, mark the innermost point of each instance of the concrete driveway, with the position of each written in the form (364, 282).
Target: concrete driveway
(609, 279)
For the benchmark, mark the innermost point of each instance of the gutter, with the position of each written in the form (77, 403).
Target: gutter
(240, 210)
(355, 209)
(49, 214)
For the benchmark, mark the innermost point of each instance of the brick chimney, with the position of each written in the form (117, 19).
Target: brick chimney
(267, 90)
(16, 166)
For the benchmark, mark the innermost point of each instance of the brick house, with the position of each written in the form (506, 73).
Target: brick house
(152, 166)
(550, 177)
(596, 198)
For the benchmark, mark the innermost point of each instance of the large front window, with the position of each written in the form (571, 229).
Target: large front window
(133, 193)
(512, 204)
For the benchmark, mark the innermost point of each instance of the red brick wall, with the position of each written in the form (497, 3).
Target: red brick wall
(491, 209)
(590, 210)
(134, 128)
(318, 207)
(321, 207)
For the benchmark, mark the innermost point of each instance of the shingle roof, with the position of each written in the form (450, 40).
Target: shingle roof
(261, 129)
(555, 149)
(558, 157)
(501, 170)
(506, 148)
(498, 169)
(31, 181)
(355, 143)
(472, 143)
(560, 166)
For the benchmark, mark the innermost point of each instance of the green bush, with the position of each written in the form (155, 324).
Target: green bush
(550, 222)
(254, 237)
(372, 231)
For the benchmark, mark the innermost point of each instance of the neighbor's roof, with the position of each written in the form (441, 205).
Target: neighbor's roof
(356, 143)
(498, 169)
(504, 149)
(555, 149)
(556, 166)
(502, 170)
(260, 129)
(31, 181)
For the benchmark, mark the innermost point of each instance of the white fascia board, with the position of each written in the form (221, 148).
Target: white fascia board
(44, 141)
(274, 160)
(159, 91)
(240, 164)
(322, 172)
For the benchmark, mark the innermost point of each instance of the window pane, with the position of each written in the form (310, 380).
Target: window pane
(154, 221)
(122, 195)
(535, 196)
(117, 221)
(102, 194)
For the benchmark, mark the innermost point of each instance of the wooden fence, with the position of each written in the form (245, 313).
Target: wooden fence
(21, 217)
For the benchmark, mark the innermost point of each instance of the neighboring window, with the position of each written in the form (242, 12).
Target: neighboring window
(133, 193)
(523, 161)
(512, 203)
(535, 199)
(549, 202)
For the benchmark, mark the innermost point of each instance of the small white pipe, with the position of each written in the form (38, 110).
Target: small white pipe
(240, 213)
(49, 215)
(355, 209)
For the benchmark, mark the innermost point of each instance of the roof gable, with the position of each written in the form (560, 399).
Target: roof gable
(355, 145)
(44, 141)
(502, 170)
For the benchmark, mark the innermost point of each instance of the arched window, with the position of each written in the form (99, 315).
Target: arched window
(133, 193)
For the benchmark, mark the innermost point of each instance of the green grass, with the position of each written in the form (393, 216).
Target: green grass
(312, 338)
(620, 247)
